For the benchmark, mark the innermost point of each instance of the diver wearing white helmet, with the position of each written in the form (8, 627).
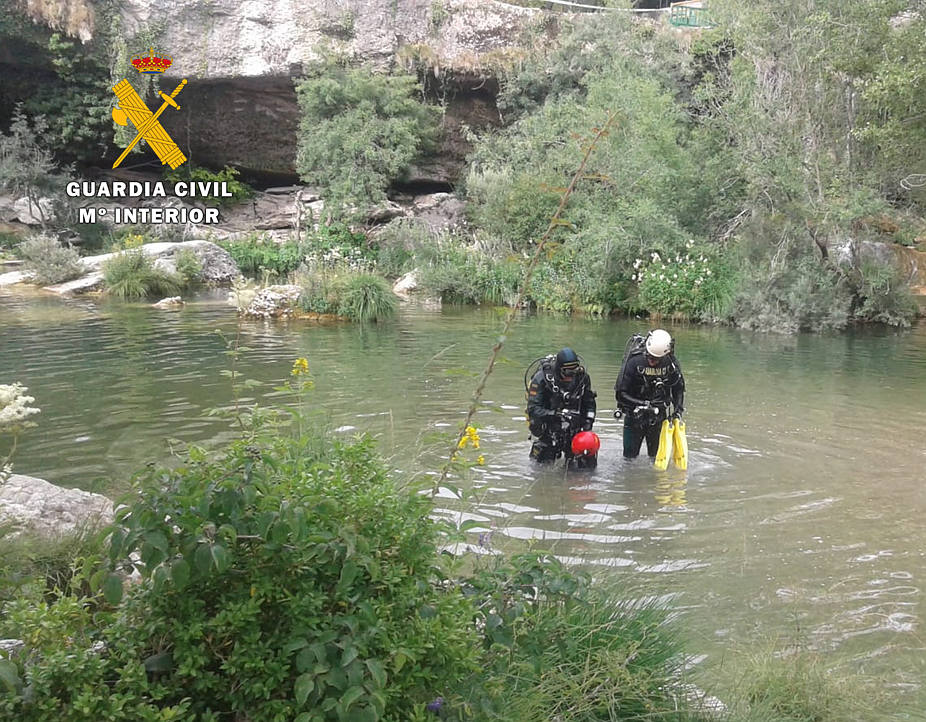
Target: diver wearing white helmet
(649, 389)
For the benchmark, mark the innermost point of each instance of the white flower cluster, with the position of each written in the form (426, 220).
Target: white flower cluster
(672, 271)
(14, 408)
(350, 258)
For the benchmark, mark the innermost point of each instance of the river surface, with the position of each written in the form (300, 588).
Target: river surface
(801, 518)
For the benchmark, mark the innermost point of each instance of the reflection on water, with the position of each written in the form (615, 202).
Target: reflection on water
(671, 492)
(803, 508)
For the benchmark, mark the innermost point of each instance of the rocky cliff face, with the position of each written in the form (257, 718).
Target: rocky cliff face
(241, 58)
(224, 39)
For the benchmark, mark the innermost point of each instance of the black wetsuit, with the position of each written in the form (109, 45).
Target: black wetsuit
(648, 395)
(557, 411)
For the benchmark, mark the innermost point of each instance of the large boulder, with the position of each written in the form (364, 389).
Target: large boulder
(34, 505)
(217, 265)
(439, 211)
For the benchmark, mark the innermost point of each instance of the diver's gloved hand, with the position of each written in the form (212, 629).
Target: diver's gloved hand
(567, 416)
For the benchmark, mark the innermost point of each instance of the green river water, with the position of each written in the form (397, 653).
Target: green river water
(802, 515)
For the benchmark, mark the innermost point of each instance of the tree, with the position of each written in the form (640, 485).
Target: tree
(25, 165)
(359, 132)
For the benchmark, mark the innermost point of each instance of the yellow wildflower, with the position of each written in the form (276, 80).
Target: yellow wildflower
(300, 367)
(481, 460)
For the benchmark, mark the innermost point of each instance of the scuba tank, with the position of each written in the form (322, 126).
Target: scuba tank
(544, 362)
(547, 364)
(635, 345)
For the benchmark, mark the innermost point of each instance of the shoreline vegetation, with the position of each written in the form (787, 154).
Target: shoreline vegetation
(736, 186)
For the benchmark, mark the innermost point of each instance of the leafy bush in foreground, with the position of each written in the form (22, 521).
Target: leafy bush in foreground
(284, 579)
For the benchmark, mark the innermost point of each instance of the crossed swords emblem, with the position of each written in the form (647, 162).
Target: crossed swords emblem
(132, 107)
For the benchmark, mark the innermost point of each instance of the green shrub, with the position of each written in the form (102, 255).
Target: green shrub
(288, 576)
(130, 274)
(258, 254)
(558, 647)
(358, 133)
(365, 297)
(49, 261)
(395, 245)
(317, 295)
(189, 269)
(458, 272)
(240, 191)
(800, 685)
(883, 296)
(698, 284)
(32, 567)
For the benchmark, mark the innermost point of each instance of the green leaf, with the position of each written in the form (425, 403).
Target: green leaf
(9, 676)
(377, 672)
(399, 659)
(304, 717)
(348, 573)
(202, 558)
(305, 683)
(293, 644)
(349, 655)
(112, 589)
(220, 557)
(163, 662)
(180, 573)
(157, 540)
(351, 696)
(228, 532)
(305, 659)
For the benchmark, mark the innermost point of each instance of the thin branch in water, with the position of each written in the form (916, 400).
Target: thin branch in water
(522, 291)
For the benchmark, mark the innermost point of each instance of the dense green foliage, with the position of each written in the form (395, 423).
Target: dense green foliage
(187, 173)
(62, 79)
(365, 297)
(359, 131)
(757, 149)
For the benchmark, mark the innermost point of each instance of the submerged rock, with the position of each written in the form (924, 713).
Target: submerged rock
(171, 302)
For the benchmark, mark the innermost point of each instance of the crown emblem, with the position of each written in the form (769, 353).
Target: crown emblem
(150, 64)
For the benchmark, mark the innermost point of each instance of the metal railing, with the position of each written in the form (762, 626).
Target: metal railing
(689, 14)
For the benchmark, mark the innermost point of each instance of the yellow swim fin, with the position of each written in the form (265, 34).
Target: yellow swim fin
(679, 445)
(665, 446)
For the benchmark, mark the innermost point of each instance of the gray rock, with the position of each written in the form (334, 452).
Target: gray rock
(11, 647)
(35, 505)
(165, 265)
(12, 277)
(274, 302)
(439, 211)
(90, 282)
(218, 266)
(170, 302)
(406, 285)
(32, 214)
